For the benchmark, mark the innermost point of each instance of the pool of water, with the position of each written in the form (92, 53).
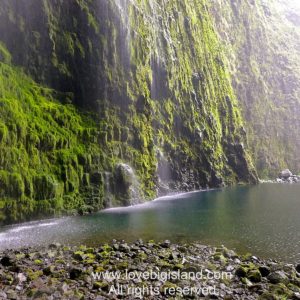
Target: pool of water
(262, 219)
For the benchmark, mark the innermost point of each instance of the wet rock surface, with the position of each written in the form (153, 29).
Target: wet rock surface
(146, 270)
(286, 176)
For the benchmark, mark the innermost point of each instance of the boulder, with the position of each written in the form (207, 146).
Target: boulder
(241, 271)
(165, 244)
(254, 276)
(54, 246)
(48, 270)
(126, 185)
(78, 255)
(278, 277)
(6, 261)
(296, 178)
(264, 271)
(285, 174)
(75, 273)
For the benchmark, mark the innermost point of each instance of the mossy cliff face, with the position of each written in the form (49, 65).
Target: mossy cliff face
(261, 42)
(140, 102)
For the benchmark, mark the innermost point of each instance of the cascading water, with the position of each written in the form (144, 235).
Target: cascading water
(107, 188)
(123, 31)
(163, 172)
(127, 186)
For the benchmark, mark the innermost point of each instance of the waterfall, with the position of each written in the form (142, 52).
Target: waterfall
(134, 187)
(163, 172)
(127, 186)
(121, 8)
(107, 176)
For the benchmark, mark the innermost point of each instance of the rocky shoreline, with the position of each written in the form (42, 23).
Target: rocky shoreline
(286, 176)
(143, 270)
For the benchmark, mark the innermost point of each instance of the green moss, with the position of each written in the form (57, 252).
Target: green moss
(147, 88)
(42, 149)
(33, 275)
(5, 56)
(264, 74)
(38, 262)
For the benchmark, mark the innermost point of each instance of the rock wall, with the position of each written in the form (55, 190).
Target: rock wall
(261, 40)
(127, 99)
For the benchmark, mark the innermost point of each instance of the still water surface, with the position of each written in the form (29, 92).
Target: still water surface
(262, 219)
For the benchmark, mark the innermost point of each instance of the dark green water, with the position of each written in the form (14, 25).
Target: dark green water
(263, 220)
